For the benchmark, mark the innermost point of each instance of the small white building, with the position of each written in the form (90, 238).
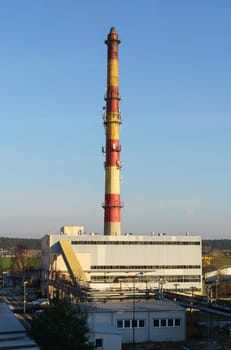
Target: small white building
(153, 321)
(223, 273)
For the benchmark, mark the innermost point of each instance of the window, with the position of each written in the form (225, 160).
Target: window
(163, 323)
(177, 322)
(127, 323)
(99, 343)
(170, 322)
(119, 324)
(134, 323)
(141, 323)
(156, 323)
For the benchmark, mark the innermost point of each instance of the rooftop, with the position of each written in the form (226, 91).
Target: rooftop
(12, 333)
(140, 306)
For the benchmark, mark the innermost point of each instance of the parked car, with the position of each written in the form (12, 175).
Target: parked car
(40, 303)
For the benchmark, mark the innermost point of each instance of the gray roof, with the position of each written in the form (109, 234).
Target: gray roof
(12, 333)
(148, 306)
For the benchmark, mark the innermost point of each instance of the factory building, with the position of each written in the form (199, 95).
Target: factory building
(106, 263)
(115, 262)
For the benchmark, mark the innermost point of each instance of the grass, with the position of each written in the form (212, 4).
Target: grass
(6, 263)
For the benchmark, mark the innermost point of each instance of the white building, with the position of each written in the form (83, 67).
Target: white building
(123, 262)
(221, 274)
(155, 321)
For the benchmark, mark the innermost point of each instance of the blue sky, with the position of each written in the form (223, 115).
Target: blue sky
(175, 84)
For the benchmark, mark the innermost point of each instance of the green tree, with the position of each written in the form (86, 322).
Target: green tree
(62, 326)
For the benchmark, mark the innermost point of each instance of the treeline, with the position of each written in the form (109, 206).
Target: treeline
(26, 243)
(221, 244)
(35, 244)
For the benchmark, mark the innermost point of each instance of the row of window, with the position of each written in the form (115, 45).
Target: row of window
(130, 323)
(167, 322)
(135, 242)
(157, 323)
(143, 267)
(166, 278)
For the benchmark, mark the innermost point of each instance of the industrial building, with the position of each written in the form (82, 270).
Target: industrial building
(115, 265)
(133, 270)
(106, 263)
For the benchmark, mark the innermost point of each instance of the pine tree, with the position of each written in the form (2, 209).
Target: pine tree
(61, 327)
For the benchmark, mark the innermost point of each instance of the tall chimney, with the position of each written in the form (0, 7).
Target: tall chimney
(112, 121)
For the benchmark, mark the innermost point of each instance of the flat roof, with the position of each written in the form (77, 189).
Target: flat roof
(140, 306)
(12, 333)
(131, 237)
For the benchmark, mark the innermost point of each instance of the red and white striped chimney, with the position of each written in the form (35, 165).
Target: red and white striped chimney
(112, 120)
